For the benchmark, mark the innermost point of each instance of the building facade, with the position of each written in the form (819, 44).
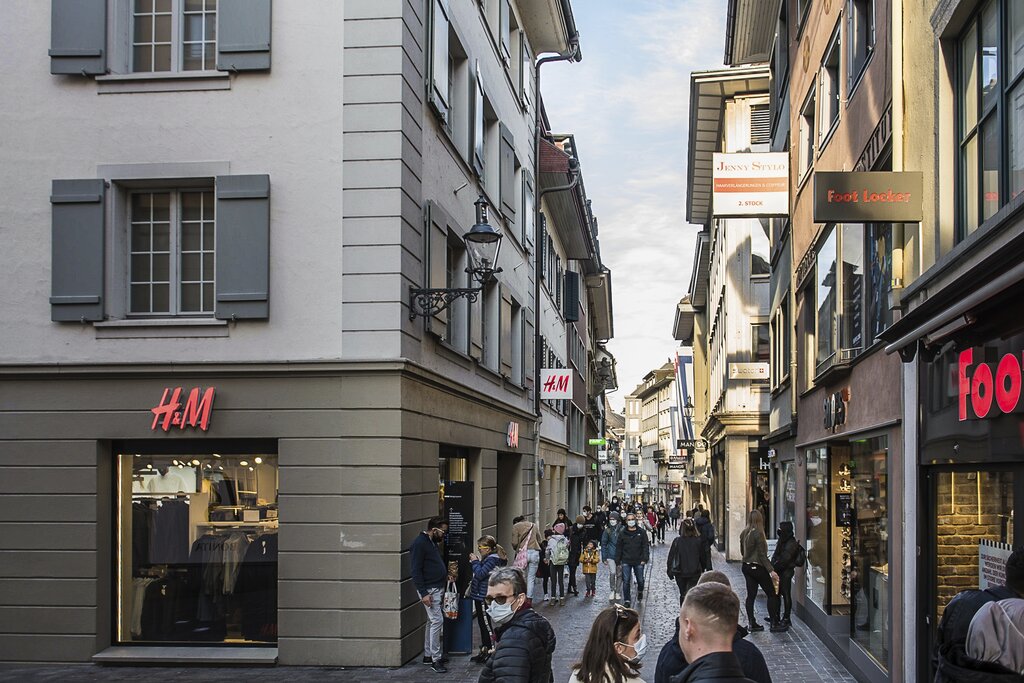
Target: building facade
(174, 387)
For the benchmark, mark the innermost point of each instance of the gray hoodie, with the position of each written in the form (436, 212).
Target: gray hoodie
(997, 634)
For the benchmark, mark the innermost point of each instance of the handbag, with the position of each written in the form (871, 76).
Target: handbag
(450, 602)
(522, 555)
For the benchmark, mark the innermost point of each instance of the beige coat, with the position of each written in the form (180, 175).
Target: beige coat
(520, 530)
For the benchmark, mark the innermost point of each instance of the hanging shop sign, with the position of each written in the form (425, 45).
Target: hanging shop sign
(512, 435)
(596, 442)
(750, 184)
(555, 384)
(170, 413)
(699, 445)
(981, 384)
(870, 196)
(751, 371)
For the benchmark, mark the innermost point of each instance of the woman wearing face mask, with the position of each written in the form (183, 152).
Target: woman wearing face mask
(614, 649)
(490, 557)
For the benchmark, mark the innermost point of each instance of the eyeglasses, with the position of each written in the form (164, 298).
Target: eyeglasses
(483, 548)
(500, 599)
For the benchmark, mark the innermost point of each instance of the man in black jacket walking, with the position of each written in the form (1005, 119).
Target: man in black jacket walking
(632, 554)
(525, 639)
(429, 575)
(707, 626)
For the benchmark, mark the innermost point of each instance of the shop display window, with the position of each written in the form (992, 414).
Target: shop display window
(869, 563)
(787, 511)
(197, 548)
(816, 570)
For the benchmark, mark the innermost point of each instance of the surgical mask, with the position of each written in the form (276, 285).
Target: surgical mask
(579, 526)
(613, 522)
(640, 647)
(631, 522)
(499, 614)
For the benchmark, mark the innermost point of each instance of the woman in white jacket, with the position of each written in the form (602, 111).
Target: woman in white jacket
(614, 649)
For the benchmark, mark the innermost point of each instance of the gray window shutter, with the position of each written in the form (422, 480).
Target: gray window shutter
(243, 35)
(437, 261)
(78, 37)
(572, 296)
(508, 173)
(478, 122)
(243, 247)
(437, 59)
(77, 234)
(505, 303)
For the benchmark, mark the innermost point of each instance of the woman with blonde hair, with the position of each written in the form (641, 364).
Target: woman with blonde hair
(759, 572)
(491, 556)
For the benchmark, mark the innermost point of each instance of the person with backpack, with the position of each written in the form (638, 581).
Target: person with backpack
(527, 534)
(632, 555)
(702, 519)
(490, 557)
(609, 545)
(788, 555)
(557, 556)
(686, 558)
(952, 661)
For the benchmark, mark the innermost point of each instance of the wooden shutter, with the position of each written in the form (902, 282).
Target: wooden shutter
(505, 336)
(78, 37)
(77, 239)
(437, 58)
(436, 263)
(243, 35)
(478, 122)
(508, 174)
(572, 296)
(243, 247)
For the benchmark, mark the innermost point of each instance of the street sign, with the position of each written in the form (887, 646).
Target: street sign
(597, 442)
(699, 445)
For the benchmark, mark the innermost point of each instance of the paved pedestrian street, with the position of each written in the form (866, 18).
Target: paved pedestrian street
(794, 656)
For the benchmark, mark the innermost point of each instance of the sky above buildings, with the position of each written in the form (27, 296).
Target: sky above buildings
(627, 103)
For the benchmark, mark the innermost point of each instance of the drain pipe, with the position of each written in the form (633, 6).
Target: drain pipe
(572, 56)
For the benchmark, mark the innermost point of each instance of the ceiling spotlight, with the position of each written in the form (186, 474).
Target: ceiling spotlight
(216, 455)
(244, 463)
(149, 467)
(195, 462)
(258, 460)
(250, 469)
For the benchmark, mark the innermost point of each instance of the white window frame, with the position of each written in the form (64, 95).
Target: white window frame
(177, 37)
(829, 89)
(807, 136)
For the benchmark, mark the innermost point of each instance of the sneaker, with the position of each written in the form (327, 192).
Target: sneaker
(427, 660)
(561, 602)
(755, 627)
(778, 627)
(787, 622)
(640, 596)
(439, 667)
(545, 598)
(626, 604)
(611, 596)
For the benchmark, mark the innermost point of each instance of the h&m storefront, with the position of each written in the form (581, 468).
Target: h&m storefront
(236, 514)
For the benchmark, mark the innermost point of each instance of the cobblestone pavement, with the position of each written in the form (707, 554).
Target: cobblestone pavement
(794, 656)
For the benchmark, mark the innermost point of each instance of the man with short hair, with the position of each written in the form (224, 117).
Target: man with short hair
(707, 625)
(951, 659)
(525, 639)
(671, 661)
(631, 557)
(429, 575)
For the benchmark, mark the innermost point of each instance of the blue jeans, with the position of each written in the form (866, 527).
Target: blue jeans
(628, 572)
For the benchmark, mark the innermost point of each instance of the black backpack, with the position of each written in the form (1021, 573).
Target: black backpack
(801, 556)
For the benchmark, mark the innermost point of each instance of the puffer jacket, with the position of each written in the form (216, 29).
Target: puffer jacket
(717, 666)
(481, 572)
(523, 653)
(634, 547)
(955, 666)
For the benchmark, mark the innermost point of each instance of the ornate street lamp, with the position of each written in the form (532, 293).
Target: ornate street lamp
(482, 244)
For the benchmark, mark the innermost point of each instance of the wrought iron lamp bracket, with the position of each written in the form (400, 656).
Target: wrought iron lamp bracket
(429, 302)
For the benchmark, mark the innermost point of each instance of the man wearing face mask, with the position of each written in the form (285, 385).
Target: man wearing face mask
(525, 639)
(609, 547)
(429, 575)
(707, 626)
(632, 555)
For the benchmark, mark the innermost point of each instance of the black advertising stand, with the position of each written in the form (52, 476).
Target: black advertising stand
(458, 512)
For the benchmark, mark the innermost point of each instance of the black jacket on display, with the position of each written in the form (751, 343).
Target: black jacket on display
(687, 557)
(786, 549)
(672, 662)
(717, 666)
(634, 547)
(523, 653)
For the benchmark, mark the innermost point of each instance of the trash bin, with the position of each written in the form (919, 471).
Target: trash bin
(458, 633)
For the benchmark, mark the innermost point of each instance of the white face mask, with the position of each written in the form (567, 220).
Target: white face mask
(613, 522)
(499, 614)
(640, 647)
(579, 526)
(631, 522)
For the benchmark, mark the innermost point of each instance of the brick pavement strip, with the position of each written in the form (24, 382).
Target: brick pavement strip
(794, 656)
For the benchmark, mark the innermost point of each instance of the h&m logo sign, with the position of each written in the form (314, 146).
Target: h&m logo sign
(196, 412)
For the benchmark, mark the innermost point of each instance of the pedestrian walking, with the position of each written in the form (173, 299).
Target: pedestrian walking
(953, 661)
(590, 558)
(672, 661)
(707, 626)
(557, 557)
(652, 523)
(702, 519)
(785, 559)
(614, 505)
(544, 569)
(429, 576)
(686, 559)
(759, 572)
(673, 516)
(527, 532)
(632, 555)
(593, 524)
(578, 538)
(609, 546)
(561, 518)
(614, 649)
(525, 639)
(489, 557)
(662, 522)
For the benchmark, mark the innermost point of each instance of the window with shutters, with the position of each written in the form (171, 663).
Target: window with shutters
(760, 125)
(527, 225)
(518, 344)
(174, 35)
(438, 59)
(171, 244)
(828, 85)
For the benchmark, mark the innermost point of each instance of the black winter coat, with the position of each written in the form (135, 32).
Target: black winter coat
(672, 662)
(952, 664)
(634, 547)
(717, 666)
(786, 550)
(687, 556)
(577, 539)
(523, 653)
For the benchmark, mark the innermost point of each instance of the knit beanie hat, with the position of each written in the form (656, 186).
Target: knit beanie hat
(559, 528)
(613, 515)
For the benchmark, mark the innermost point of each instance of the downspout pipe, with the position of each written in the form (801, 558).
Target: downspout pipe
(573, 55)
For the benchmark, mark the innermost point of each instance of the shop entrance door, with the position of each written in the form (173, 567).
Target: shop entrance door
(967, 532)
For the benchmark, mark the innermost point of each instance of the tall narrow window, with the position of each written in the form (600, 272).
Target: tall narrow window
(174, 35)
(760, 246)
(806, 150)
(438, 81)
(828, 99)
(518, 344)
(852, 323)
(860, 32)
(826, 298)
